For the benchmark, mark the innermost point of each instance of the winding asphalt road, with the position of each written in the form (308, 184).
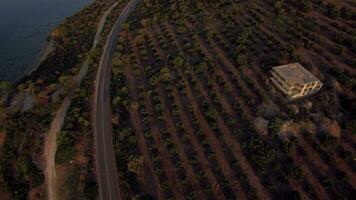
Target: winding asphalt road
(50, 147)
(104, 151)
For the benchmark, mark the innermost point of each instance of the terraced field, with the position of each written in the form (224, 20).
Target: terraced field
(196, 117)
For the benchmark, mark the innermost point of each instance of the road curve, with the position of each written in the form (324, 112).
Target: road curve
(50, 146)
(104, 152)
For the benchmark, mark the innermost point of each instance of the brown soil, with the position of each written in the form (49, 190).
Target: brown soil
(190, 172)
(5, 196)
(36, 193)
(319, 189)
(150, 185)
(213, 141)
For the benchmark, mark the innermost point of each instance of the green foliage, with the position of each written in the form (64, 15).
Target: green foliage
(5, 86)
(3, 116)
(332, 10)
(351, 83)
(275, 125)
(164, 74)
(295, 173)
(28, 169)
(128, 135)
(278, 6)
(347, 13)
(201, 67)
(242, 59)
(351, 127)
(71, 189)
(328, 183)
(91, 187)
(259, 152)
(178, 62)
(19, 170)
(340, 37)
(304, 5)
(211, 115)
(289, 147)
(67, 82)
(66, 150)
(329, 142)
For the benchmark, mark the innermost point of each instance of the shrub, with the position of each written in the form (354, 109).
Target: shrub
(278, 6)
(329, 142)
(276, 125)
(66, 150)
(91, 187)
(351, 127)
(259, 151)
(295, 173)
(178, 62)
(332, 11)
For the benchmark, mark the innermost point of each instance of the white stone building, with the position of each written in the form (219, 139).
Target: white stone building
(295, 81)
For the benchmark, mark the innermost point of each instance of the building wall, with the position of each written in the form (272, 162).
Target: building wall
(294, 90)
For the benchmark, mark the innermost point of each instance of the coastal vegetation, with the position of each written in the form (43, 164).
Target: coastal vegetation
(76, 140)
(29, 105)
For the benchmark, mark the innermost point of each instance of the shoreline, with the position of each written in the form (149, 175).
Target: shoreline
(46, 49)
(35, 50)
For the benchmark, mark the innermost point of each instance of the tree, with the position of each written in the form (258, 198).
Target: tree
(43, 98)
(259, 151)
(351, 127)
(295, 173)
(276, 125)
(91, 187)
(144, 22)
(67, 81)
(66, 150)
(58, 32)
(278, 6)
(3, 116)
(332, 10)
(31, 87)
(164, 74)
(21, 87)
(346, 13)
(289, 147)
(201, 68)
(340, 37)
(241, 48)
(51, 88)
(306, 5)
(351, 83)
(242, 60)
(178, 62)
(4, 86)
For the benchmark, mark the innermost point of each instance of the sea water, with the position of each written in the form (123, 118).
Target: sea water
(24, 27)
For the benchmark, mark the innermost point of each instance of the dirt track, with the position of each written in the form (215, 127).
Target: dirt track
(56, 125)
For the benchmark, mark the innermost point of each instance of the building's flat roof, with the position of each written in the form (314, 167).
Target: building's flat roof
(295, 73)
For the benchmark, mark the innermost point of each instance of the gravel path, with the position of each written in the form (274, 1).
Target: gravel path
(56, 125)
